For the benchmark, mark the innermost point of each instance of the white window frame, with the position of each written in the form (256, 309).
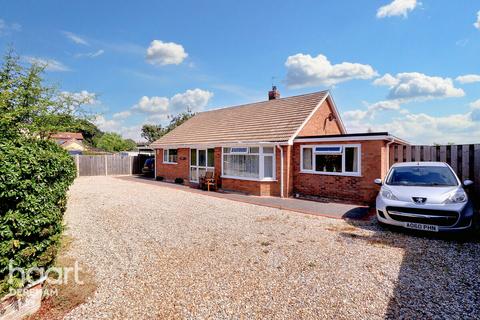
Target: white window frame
(261, 154)
(166, 155)
(343, 173)
(197, 167)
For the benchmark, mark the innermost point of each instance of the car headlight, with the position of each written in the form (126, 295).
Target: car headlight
(388, 194)
(458, 196)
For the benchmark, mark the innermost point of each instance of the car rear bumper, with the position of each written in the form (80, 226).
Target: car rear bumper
(448, 218)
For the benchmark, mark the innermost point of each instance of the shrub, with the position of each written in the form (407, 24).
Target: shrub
(34, 178)
(179, 180)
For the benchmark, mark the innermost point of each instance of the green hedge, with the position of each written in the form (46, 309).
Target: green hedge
(34, 178)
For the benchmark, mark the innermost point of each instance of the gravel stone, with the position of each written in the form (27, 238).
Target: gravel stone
(162, 253)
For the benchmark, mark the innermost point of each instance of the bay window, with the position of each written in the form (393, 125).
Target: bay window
(170, 155)
(335, 160)
(256, 163)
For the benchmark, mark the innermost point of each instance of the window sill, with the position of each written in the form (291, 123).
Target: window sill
(170, 162)
(250, 179)
(345, 174)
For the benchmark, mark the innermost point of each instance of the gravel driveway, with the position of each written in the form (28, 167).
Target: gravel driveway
(162, 253)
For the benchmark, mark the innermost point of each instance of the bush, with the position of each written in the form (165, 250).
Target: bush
(34, 178)
(178, 180)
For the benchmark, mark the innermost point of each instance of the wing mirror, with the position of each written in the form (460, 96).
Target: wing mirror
(467, 183)
(378, 181)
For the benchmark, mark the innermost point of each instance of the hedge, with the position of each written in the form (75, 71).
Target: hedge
(34, 179)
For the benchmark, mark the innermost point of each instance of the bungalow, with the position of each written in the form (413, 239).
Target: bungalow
(281, 147)
(70, 141)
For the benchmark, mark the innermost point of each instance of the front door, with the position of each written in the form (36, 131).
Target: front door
(201, 161)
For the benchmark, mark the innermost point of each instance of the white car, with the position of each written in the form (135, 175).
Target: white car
(424, 196)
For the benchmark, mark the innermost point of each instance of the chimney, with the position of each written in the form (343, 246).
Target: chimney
(274, 93)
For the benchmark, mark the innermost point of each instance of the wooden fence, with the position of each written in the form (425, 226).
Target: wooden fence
(109, 165)
(464, 159)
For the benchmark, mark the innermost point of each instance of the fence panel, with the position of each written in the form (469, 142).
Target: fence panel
(102, 165)
(465, 164)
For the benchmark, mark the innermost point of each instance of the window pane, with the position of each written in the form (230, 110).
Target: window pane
(351, 159)
(193, 157)
(268, 166)
(328, 150)
(210, 158)
(238, 165)
(239, 150)
(201, 172)
(307, 158)
(226, 150)
(267, 149)
(165, 155)
(193, 174)
(328, 163)
(172, 155)
(202, 158)
(254, 149)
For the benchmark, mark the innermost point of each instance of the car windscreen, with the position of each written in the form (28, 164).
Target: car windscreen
(422, 176)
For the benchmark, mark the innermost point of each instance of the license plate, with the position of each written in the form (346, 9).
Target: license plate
(421, 226)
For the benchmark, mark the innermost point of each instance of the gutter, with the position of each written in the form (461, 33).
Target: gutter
(281, 169)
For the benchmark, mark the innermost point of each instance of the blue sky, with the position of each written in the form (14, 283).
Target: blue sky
(403, 66)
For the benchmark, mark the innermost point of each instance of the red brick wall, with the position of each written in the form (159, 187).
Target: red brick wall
(318, 125)
(257, 188)
(172, 171)
(359, 190)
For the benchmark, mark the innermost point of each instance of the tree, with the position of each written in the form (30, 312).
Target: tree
(113, 142)
(30, 108)
(152, 132)
(180, 118)
(35, 173)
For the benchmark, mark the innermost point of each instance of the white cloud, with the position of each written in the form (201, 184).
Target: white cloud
(75, 38)
(49, 64)
(418, 86)
(122, 115)
(152, 105)
(195, 100)
(475, 104)
(468, 78)
(386, 80)
(90, 54)
(477, 23)
(426, 129)
(164, 53)
(83, 97)
(8, 28)
(118, 126)
(396, 8)
(303, 70)
(372, 110)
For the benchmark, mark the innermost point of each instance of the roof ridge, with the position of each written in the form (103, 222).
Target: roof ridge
(265, 101)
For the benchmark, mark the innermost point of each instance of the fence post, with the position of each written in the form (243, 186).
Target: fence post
(465, 162)
(476, 167)
(454, 157)
(77, 164)
(106, 163)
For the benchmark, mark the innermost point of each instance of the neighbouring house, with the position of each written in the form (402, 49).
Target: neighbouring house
(281, 147)
(70, 141)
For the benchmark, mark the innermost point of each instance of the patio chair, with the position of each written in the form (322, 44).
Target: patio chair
(208, 181)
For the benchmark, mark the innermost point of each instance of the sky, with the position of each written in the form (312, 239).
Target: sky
(408, 67)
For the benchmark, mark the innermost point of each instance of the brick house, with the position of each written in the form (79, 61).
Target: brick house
(281, 147)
